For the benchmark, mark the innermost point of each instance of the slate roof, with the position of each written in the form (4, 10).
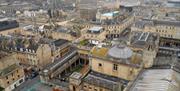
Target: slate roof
(105, 81)
(18, 44)
(146, 22)
(157, 80)
(60, 42)
(168, 23)
(142, 39)
(4, 25)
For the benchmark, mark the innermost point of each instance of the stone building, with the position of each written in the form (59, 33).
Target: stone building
(94, 35)
(87, 9)
(63, 33)
(146, 44)
(65, 59)
(29, 51)
(11, 73)
(111, 70)
(168, 29)
(60, 48)
(8, 26)
(109, 61)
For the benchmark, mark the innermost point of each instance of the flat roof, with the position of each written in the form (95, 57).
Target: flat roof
(76, 75)
(95, 29)
(110, 14)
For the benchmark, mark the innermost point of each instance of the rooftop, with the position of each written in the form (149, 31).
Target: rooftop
(18, 43)
(110, 14)
(120, 52)
(104, 81)
(76, 75)
(60, 42)
(101, 52)
(173, 3)
(60, 61)
(95, 29)
(147, 22)
(8, 70)
(157, 80)
(142, 39)
(169, 23)
(62, 29)
(122, 55)
(8, 24)
(142, 23)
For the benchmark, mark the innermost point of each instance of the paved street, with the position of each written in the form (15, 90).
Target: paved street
(33, 85)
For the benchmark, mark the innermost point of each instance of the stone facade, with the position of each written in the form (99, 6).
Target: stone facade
(12, 75)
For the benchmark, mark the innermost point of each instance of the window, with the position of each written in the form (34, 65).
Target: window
(74, 88)
(8, 82)
(12, 74)
(165, 35)
(17, 71)
(21, 81)
(13, 79)
(156, 30)
(100, 64)
(115, 67)
(18, 76)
